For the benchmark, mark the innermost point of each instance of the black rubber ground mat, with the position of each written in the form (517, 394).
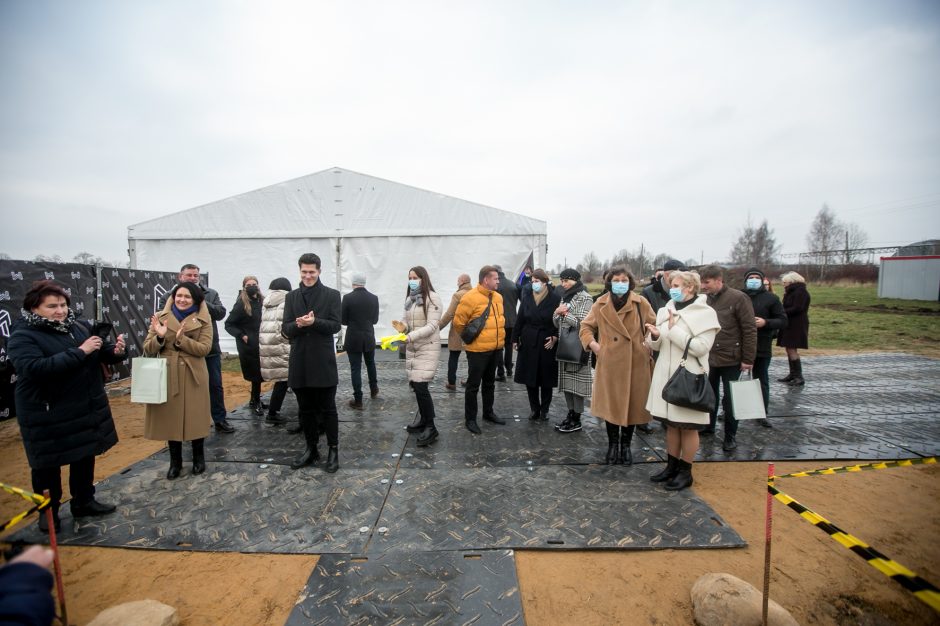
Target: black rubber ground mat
(233, 507)
(412, 588)
(520, 442)
(546, 507)
(364, 444)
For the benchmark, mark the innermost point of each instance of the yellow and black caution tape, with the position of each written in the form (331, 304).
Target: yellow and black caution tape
(40, 502)
(861, 468)
(924, 591)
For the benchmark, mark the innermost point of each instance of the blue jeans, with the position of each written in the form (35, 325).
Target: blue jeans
(216, 393)
(355, 371)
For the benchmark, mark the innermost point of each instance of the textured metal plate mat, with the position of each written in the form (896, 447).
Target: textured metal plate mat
(547, 507)
(411, 588)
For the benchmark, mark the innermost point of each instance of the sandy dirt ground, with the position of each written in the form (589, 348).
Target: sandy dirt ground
(819, 581)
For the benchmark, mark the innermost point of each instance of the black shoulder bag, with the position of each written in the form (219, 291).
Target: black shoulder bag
(688, 390)
(475, 326)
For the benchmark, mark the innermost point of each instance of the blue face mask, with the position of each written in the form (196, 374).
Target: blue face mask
(619, 289)
(536, 287)
(676, 294)
(753, 283)
(414, 284)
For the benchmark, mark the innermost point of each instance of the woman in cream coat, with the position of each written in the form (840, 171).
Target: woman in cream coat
(687, 315)
(182, 334)
(274, 347)
(422, 323)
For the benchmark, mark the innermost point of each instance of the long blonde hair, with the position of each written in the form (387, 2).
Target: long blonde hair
(243, 295)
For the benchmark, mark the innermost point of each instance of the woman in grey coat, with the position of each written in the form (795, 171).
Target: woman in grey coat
(574, 379)
(421, 324)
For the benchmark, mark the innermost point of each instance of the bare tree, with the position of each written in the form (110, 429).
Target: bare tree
(855, 238)
(88, 259)
(590, 266)
(755, 246)
(825, 236)
(55, 258)
(4, 256)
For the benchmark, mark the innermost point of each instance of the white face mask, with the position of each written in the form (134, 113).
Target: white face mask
(536, 286)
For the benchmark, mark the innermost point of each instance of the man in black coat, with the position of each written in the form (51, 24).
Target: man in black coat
(510, 293)
(360, 314)
(312, 315)
(769, 317)
(189, 273)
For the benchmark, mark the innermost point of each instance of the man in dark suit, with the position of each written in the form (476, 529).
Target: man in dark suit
(189, 273)
(311, 318)
(510, 293)
(360, 314)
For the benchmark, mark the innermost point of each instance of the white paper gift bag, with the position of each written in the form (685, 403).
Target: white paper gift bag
(747, 402)
(148, 380)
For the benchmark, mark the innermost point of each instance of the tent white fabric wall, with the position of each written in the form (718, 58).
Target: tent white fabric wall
(355, 223)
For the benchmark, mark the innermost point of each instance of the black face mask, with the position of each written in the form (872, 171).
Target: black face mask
(251, 290)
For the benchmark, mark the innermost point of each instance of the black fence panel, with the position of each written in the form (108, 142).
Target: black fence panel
(128, 299)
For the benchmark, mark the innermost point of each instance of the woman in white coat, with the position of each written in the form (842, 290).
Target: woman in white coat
(274, 348)
(686, 316)
(421, 325)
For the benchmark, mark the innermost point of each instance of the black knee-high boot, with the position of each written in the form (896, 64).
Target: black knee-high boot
(797, 379)
(789, 376)
(199, 456)
(613, 435)
(176, 459)
(626, 438)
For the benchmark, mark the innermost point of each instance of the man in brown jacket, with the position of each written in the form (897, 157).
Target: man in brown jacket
(454, 344)
(735, 346)
(483, 351)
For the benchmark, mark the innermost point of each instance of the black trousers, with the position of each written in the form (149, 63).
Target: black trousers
(452, 360)
(355, 371)
(724, 376)
(81, 481)
(425, 403)
(537, 403)
(762, 373)
(504, 362)
(317, 413)
(482, 374)
(278, 392)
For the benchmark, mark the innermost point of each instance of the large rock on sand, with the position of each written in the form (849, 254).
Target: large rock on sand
(138, 613)
(720, 599)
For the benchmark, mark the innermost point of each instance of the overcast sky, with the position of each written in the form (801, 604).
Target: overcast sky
(619, 123)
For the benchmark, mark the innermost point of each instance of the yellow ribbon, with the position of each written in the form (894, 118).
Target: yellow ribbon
(389, 343)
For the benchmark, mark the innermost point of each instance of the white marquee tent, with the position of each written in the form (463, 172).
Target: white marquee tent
(354, 222)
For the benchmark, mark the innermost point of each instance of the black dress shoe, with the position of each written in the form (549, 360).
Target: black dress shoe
(729, 443)
(428, 436)
(275, 418)
(535, 415)
(223, 426)
(495, 419)
(332, 461)
(91, 508)
(44, 522)
(473, 427)
(295, 430)
(311, 456)
(374, 392)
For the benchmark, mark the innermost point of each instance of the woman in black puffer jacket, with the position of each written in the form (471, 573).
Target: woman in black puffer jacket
(61, 404)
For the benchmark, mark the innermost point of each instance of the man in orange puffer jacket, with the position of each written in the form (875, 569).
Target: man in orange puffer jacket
(483, 351)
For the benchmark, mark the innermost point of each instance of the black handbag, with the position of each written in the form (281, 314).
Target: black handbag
(475, 326)
(688, 390)
(569, 346)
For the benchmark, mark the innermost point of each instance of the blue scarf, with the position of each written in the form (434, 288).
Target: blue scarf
(181, 315)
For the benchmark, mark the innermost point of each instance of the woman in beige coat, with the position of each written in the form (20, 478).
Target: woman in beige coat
(686, 316)
(454, 343)
(624, 364)
(182, 334)
(422, 323)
